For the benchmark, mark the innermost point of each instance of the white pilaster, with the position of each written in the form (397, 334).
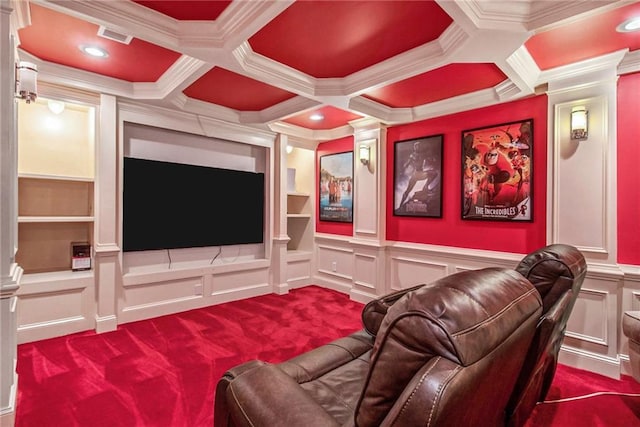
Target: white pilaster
(369, 206)
(10, 272)
(107, 275)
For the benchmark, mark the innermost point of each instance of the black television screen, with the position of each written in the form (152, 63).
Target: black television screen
(172, 205)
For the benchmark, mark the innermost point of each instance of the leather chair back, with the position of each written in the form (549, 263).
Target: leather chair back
(448, 354)
(557, 271)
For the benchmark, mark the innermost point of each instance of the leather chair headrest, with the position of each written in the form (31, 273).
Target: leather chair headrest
(553, 270)
(466, 313)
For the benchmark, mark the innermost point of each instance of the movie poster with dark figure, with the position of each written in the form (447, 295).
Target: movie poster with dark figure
(497, 173)
(336, 187)
(418, 177)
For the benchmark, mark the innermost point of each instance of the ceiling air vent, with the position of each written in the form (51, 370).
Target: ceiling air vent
(115, 36)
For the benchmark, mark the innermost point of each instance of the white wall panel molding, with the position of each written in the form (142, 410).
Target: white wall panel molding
(582, 193)
(55, 304)
(581, 217)
(366, 267)
(463, 256)
(588, 319)
(405, 272)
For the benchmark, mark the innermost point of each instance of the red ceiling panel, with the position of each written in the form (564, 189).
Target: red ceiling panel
(333, 118)
(584, 39)
(188, 10)
(442, 83)
(235, 91)
(137, 62)
(338, 38)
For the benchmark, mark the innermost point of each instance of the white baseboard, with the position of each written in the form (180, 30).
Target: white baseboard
(8, 414)
(597, 363)
(106, 323)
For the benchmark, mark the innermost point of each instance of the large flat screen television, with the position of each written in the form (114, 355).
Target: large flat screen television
(172, 205)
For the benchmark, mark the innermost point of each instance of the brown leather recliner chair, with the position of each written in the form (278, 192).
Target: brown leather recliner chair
(445, 354)
(557, 271)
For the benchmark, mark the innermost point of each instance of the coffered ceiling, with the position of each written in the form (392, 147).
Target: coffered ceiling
(272, 64)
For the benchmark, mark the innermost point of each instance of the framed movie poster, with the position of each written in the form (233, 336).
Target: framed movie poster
(336, 187)
(497, 172)
(417, 177)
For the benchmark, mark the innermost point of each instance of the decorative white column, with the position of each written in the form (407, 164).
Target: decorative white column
(582, 206)
(280, 237)
(369, 219)
(107, 251)
(10, 272)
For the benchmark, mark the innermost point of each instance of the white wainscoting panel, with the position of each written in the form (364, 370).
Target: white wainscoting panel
(366, 269)
(588, 321)
(298, 272)
(50, 307)
(235, 285)
(406, 272)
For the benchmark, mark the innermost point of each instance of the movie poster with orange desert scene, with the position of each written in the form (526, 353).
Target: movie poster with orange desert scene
(497, 172)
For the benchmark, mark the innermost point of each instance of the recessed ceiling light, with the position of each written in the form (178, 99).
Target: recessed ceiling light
(316, 117)
(96, 52)
(629, 25)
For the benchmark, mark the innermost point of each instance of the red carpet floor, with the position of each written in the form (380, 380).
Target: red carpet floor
(163, 371)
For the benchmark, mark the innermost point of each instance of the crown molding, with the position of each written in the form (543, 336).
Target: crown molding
(309, 134)
(380, 111)
(273, 73)
(404, 65)
(79, 79)
(577, 71)
(471, 101)
(293, 106)
(186, 69)
(630, 63)
(252, 135)
(242, 19)
(125, 17)
(521, 69)
(68, 94)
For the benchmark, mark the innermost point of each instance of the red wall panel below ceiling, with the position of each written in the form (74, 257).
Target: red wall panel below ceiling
(628, 171)
(332, 147)
(451, 230)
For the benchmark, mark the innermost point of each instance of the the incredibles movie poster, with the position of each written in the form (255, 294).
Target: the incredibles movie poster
(497, 172)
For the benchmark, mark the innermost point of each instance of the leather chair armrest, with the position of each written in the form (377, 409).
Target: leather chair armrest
(266, 396)
(321, 360)
(376, 309)
(221, 408)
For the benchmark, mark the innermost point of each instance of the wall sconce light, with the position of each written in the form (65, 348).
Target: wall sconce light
(579, 122)
(365, 151)
(289, 149)
(26, 76)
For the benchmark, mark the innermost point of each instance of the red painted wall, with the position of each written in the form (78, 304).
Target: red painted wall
(331, 147)
(451, 230)
(628, 170)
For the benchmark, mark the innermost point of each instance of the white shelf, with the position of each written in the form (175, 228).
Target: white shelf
(299, 215)
(50, 219)
(56, 177)
(298, 194)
